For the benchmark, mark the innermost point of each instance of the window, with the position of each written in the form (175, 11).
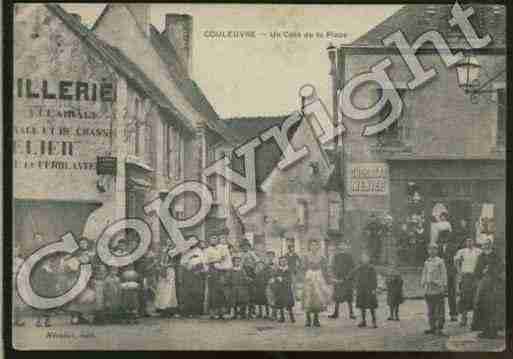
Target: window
(136, 120)
(397, 132)
(175, 152)
(212, 180)
(333, 216)
(301, 213)
(138, 131)
(133, 130)
(501, 118)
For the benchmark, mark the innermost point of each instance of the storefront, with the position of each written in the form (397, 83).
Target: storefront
(469, 190)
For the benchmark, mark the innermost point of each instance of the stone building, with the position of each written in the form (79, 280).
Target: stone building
(122, 91)
(445, 149)
(294, 205)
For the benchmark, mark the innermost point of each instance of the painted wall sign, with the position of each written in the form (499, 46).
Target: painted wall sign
(368, 179)
(64, 107)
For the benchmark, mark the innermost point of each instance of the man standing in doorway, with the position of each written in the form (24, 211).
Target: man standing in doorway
(342, 265)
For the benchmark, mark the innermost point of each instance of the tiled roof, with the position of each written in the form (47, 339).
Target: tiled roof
(414, 20)
(116, 58)
(188, 87)
(120, 62)
(268, 154)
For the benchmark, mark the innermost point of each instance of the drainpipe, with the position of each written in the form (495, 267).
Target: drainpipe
(337, 68)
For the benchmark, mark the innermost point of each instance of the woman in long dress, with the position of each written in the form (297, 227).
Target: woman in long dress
(166, 301)
(316, 292)
(488, 316)
(193, 264)
(85, 302)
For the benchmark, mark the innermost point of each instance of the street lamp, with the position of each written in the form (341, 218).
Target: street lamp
(468, 71)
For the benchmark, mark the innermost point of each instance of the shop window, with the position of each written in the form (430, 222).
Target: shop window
(398, 132)
(501, 118)
(333, 216)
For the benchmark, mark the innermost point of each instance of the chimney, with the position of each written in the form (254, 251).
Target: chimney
(179, 33)
(141, 13)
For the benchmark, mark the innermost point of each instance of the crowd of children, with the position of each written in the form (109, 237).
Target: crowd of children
(214, 279)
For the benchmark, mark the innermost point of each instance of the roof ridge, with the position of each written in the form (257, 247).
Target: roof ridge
(412, 20)
(115, 57)
(255, 117)
(395, 14)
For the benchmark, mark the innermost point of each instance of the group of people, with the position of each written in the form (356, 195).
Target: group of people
(480, 274)
(349, 278)
(209, 278)
(213, 279)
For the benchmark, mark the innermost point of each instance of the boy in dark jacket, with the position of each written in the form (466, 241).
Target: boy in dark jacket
(263, 274)
(366, 284)
(283, 294)
(240, 282)
(394, 293)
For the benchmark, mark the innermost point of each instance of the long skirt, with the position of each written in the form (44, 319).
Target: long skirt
(283, 295)
(240, 295)
(218, 295)
(488, 305)
(467, 292)
(484, 305)
(316, 293)
(365, 299)
(269, 295)
(166, 291)
(193, 292)
(84, 303)
(129, 300)
(99, 288)
(343, 291)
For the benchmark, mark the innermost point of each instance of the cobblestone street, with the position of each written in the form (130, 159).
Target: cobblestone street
(206, 334)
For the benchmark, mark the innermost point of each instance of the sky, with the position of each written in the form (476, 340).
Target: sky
(261, 76)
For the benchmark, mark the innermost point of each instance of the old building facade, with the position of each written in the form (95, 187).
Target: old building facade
(294, 205)
(444, 150)
(82, 94)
